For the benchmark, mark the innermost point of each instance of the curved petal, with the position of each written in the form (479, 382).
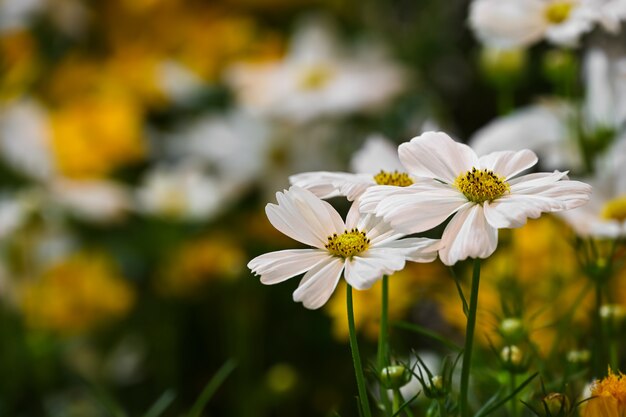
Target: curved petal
(275, 267)
(468, 235)
(304, 217)
(508, 163)
(436, 155)
(370, 198)
(415, 210)
(364, 270)
(413, 249)
(318, 283)
(333, 184)
(563, 194)
(378, 153)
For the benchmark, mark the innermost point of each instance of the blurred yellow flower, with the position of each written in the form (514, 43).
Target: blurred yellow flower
(406, 288)
(96, 134)
(609, 397)
(18, 63)
(200, 261)
(535, 271)
(76, 295)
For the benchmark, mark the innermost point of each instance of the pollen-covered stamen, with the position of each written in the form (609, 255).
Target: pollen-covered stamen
(349, 243)
(480, 185)
(399, 179)
(615, 209)
(558, 11)
(315, 77)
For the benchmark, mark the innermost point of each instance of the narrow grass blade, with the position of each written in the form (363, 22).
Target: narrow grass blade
(215, 382)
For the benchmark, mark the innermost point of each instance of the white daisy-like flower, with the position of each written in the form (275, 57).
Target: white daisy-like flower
(364, 248)
(519, 23)
(605, 215)
(546, 127)
(375, 163)
(481, 194)
(317, 78)
(182, 192)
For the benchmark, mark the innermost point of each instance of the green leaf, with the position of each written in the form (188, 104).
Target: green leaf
(426, 332)
(405, 405)
(210, 388)
(460, 291)
(490, 407)
(161, 404)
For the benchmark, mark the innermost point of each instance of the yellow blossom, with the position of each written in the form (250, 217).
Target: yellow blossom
(406, 288)
(19, 65)
(609, 397)
(76, 294)
(199, 261)
(94, 135)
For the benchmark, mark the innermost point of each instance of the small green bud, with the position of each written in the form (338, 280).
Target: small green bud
(513, 358)
(557, 404)
(436, 382)
(395, 376)
(502, 67)
(559, 65)
(512, 329)
(578, 356)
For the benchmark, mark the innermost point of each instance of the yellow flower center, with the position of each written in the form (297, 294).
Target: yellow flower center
(349, 243)
(399, 179)
(615, 209)
(480, 185)
(558, 11)
(612, 385)
(315, 77)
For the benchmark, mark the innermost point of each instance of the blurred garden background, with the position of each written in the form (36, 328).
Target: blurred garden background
(140, 141)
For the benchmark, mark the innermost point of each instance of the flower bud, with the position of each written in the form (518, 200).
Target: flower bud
(559, 65)
(557, 404)
(502, 67)
(512, 329)
(578, 356)
(394, 376)
(513, 358)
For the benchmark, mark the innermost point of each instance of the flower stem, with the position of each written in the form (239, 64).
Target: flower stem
(383, 343)
(469, 340)
(356, 357)
(514, 412)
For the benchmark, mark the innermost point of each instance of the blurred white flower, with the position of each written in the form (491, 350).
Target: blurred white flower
(317, 78)
(544, 128)
(178, 82)
(235, 144)
(605, 214)
(518, 23)
(605, 87)
(363, 249)
(376, 162)
(25, 139)
(15, 14)
(550, 127)
(14, 212)
(67, 15)
(91, 200)
(182, 192)
(479, 194)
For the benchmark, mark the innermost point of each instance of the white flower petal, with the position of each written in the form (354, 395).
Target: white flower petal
(508, 163)
(436, 155)
(318, 283)
(415, 210)
(275, 267)
(468, 235)
(332, 184)
(378, 153)
(364, 270)
(304, 217)
(413, 249)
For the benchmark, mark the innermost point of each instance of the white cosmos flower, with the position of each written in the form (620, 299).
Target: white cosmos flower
(317, 78)
(481, 194)
(605, 214)
(376, 162)
(518, 23)
(547, 127)
(364, 248)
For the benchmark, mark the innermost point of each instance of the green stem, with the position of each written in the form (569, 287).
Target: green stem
(514, 412)
(356, 357)
(442, 408)
(469, 340)
(397, 401)
(383, 343)
(614, 355)
(599, 352)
